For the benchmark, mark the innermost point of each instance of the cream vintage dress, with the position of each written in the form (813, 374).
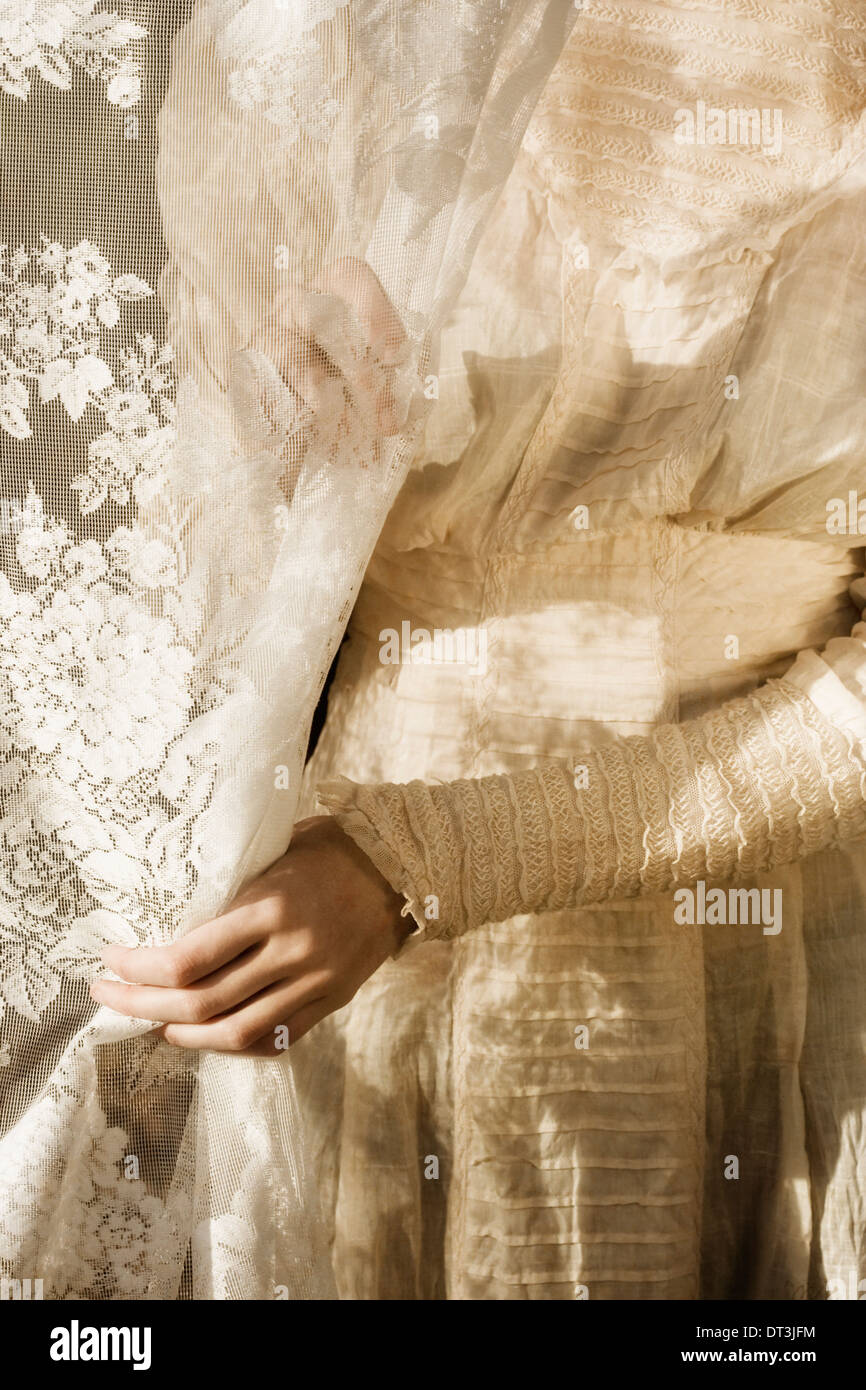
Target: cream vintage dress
(651, 418)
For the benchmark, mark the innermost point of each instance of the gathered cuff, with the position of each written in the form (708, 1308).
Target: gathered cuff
(758, 783)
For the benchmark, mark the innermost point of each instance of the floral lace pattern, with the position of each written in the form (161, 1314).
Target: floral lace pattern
(277, 64)
(96, 794)
(289, 79)
(57, 307)
(51, 39)
(94, 684)
(182, 532)
(116, 1234)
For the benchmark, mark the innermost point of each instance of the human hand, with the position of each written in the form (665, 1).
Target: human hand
(293, 947)
(336, 346)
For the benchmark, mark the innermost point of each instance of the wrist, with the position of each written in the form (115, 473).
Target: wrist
(383, 904)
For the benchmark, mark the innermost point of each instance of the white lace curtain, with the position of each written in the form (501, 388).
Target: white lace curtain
(232, 229)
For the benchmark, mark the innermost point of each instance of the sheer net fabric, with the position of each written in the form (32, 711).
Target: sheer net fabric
(232, 230)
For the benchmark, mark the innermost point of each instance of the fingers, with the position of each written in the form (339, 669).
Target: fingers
(216, 994)
(328, 390)
(199, 953)
(294, 334)
(241, 1029)
(275, 1042)
(370, 378)
(353, 281)
(303, 365)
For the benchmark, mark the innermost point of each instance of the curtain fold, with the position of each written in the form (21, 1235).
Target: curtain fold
(232, 232)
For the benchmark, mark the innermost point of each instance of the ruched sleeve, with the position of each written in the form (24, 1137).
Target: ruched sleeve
(759, 782)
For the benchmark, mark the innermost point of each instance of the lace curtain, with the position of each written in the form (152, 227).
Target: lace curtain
(232, 231)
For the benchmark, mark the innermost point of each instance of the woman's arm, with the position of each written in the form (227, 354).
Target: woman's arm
(759, 782)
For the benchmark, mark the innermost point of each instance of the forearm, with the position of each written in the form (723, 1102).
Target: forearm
(760, 782)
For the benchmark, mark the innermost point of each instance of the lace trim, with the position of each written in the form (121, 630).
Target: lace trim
(841, 16)
(696, 41)
(624, 64)
(741, 171)
(599, 110)
(576, 66)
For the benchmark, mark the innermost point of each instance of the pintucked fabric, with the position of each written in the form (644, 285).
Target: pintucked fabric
(231, 231)
(628, 501)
